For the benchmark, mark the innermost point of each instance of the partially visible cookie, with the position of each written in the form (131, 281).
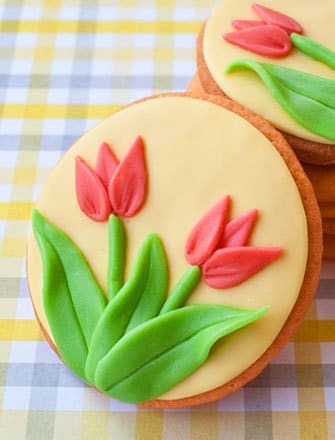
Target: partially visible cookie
(329, 247)
(328, 226)
(327, 210)
(214, 54)
(314, 153)
(323, 181)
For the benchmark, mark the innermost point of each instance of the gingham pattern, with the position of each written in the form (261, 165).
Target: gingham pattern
(64, 65)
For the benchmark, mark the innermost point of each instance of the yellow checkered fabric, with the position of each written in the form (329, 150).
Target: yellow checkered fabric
(64, 65)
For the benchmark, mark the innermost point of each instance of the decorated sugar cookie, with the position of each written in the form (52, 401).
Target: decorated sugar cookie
(278, 59)
(174, 250)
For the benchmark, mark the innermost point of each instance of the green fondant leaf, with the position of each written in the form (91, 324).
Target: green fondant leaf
(140, 299)
(73, 300)
(160, 353)
(182, 290)
(155, 291)
(117, 255)
(313, 49)
(308, 99)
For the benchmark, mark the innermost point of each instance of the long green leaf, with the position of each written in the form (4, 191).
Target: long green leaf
(313, 49)
(140, 299)
(308, 99)
(162, 352)
(156, 287)
(73, 300)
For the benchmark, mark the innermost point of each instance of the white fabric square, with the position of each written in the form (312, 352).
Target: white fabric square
(5, 191)
(26, 39)
(16, 95)
(24, 309)
(327, 352)
(48, 159)
(284, 399)
(70, 399)
(330, 398)
(69, 13)
(58, 96)
(52, 127)
(65, 39)
(23, 352)
(145, 40)
(61, 67)
(21, 67)
(146, 14)
(183, 67)
(232, 403)
(30, 13)
(16, 398)
(325, 309)
(10, 126)
(183, 41)
(107, 13)
(36, 192)
(145, 67)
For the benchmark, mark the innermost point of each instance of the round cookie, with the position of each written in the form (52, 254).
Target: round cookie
(214, 54)
(183, 132)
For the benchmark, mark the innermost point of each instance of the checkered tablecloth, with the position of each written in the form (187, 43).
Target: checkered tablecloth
(64, 65)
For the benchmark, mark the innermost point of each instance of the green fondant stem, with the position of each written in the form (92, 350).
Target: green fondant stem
(308, 99)
(313, 49)
(182, 290)
(117, 255)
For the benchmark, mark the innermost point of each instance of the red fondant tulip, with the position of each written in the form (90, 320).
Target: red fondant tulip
(240, 25)
(207, 233)
(276, 18)
(91, 193)
(114, 187)
(267, 40)
(127, 189)
(231, 266)
(238, 231)
(106, 164)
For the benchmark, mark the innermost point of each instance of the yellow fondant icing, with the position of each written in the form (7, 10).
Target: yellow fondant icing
(316, 17)
(196, 152)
